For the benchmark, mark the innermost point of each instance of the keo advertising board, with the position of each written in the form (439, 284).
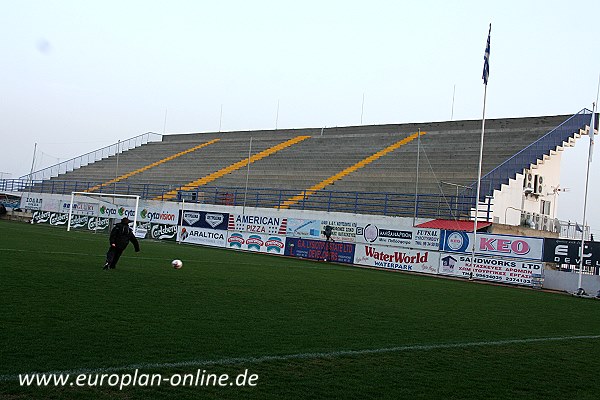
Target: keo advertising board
(413, 238)
(258, 242)
(424, 261)
(517, 272)
(258, 223)
(493, 245)
(320, 250)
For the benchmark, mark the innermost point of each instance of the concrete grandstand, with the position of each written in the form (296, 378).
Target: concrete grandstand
(423, 169)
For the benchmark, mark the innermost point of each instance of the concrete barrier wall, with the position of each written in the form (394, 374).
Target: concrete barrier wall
(568, 281)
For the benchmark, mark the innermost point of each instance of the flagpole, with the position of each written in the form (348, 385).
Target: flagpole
(587, 179)
(478, 180)
(486, 72)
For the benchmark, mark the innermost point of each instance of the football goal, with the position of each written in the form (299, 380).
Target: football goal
(109, 206)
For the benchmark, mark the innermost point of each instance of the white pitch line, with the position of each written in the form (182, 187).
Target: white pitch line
(301, 356)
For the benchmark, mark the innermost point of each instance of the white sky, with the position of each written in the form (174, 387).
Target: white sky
(80, 75)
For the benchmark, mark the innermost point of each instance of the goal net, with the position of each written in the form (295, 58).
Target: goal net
(105, 208)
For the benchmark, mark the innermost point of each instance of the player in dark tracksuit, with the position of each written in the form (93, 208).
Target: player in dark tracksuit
(120, 236)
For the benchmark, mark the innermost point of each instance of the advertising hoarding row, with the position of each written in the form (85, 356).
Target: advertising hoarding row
(501, 258)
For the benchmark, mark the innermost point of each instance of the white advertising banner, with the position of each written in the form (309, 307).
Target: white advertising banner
(397, 258)
(114, 211)
(273, 244)
(258, 223)
(31, 202)
(413, 238)
(304, 228)
(165, 213)
(203, 236)
(495, 269)
(493, 245)
(341, 231)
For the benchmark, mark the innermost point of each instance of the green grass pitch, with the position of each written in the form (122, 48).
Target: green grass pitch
(307, 329)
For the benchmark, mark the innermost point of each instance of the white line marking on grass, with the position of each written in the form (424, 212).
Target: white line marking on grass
(302, 356)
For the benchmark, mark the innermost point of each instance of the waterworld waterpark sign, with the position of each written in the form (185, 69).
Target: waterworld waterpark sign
(397, 258)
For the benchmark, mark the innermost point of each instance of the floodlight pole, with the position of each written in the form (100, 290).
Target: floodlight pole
(417, 179)
(362, 108)
(247, 175)
(277, 115)
(32, 163)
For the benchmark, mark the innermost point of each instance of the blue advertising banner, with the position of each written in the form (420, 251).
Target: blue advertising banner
(204, 219)
(320, 250)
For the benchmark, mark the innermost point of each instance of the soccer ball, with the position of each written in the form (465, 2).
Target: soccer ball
(176, 264)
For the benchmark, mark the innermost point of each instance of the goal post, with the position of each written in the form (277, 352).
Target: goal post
(110, 198)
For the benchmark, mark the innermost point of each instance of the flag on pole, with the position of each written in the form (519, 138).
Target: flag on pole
(486, 59)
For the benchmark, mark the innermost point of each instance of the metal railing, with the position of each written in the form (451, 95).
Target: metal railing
(93, 156)
(374, 203)
(531, 154)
